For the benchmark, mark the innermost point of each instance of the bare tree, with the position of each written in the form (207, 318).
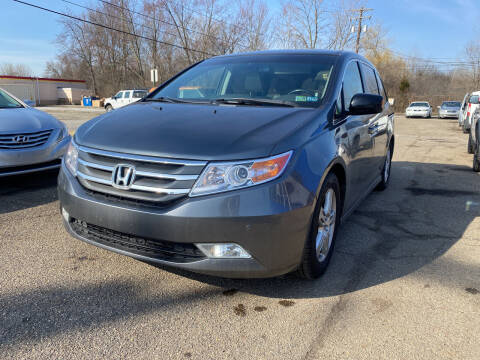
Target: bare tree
(302, 24)
(472, 51)
(15, 69)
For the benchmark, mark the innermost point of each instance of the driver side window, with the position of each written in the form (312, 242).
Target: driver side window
(352, 84)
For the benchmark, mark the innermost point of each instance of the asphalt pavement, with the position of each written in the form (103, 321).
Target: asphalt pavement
(404, 281)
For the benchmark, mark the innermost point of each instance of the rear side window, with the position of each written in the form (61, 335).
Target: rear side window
(352, 84)
(381, 88)
(139, 94)
(473, 99)
(369, 80)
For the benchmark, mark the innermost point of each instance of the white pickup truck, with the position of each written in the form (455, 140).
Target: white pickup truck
(122, 98)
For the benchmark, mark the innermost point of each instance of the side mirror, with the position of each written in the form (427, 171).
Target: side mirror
(365, 104)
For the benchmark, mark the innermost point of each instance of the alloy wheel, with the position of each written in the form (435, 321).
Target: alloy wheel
(326, 225)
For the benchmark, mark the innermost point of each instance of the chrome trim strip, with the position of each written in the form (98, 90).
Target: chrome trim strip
(94, 179)
(135, 187)
(144, 158)
(95, 166)
(167, 176)
(159, 190)
(141, 173)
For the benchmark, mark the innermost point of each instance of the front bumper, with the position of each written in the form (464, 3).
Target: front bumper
(446, 114)
(417, 113)
(42, 158)
(270, 223)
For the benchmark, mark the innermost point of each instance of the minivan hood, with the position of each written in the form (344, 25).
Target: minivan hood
(26, 120)
(192, 131)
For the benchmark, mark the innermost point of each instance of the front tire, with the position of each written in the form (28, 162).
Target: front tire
(387, 166)
(108, 108)
(323, 232)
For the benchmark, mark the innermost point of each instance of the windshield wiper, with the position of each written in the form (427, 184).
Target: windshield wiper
(162, 99)
(175, 100)
(249, 101)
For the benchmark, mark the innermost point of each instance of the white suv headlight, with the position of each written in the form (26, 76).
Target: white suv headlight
(71, 158)
(226, 176)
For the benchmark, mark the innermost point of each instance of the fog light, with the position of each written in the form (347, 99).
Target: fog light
(224, 251)
(65, 215)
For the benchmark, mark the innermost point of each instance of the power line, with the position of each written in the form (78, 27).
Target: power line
(115, 17)
(111, 28)
(162, 21)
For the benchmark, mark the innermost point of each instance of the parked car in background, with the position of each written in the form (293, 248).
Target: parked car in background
(241, 166)
(475, 139)
(419, 109)
(123, 98)
(449, 109)
(472, 104)
(30, 140)
(463, 108)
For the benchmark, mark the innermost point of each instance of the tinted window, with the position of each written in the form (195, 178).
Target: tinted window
(139, 94)
(455, 104)
(302, 79)
(126, 94)
(383, 92)
(119, 95)
(420, 104)
(369, 80)
(473, 99)
(352, 84)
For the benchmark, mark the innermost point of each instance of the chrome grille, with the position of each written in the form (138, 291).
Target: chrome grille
(24, 140)
(156, 179)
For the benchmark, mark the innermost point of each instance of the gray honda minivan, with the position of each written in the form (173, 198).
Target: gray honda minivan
(240, 166)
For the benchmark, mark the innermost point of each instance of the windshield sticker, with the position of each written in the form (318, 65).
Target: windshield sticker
(306, 98)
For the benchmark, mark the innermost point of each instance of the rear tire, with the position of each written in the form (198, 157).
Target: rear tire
(323, 230)
(476, 155)
(387, 166)
(470, 146)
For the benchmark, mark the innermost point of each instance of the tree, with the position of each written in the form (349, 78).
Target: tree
(303, 24)
(15, 69)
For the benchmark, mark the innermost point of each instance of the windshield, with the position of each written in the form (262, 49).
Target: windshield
(6, 101)
(455, 104)
(299, 80)
(422, 104)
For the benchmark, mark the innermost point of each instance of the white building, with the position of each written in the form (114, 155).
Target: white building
(45, 91)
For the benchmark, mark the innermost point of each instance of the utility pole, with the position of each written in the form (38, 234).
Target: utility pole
(360, 19)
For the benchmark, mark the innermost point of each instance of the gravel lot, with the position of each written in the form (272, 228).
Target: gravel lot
(403, 283)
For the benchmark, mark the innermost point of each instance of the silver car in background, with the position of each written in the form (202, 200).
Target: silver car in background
(449, 109)
(30, 140)
(419, 109)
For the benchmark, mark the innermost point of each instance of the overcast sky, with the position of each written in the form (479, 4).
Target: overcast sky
(425, 28)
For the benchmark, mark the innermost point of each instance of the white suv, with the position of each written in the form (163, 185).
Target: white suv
(471, 106)
(124, 97)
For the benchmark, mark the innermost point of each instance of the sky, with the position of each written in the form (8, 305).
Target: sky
(421, 28)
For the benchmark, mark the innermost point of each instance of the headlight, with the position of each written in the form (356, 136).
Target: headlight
(226, 176)
(71, 158)
(63, 132)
